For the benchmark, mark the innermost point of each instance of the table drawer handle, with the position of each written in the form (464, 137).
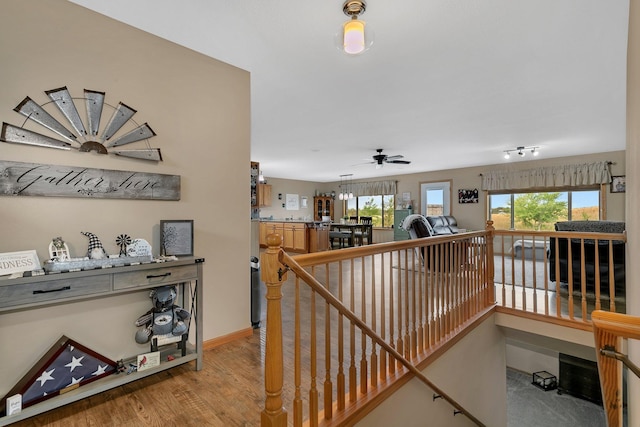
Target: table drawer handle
(64, 288)
(155, 276)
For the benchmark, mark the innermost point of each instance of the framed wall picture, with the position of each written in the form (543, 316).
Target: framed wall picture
(176, 237)
(468, 196)
(618, 184)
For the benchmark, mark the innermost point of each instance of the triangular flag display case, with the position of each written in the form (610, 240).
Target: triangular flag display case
(66, 366)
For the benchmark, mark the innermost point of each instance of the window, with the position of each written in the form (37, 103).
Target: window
(541, 210)
(379, 208)
(436, 198)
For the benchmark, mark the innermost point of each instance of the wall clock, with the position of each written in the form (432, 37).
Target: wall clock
(82, 138)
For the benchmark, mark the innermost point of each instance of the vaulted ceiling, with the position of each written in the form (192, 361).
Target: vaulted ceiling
(446, 84)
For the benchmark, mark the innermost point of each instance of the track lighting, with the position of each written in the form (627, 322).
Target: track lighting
(522, 151)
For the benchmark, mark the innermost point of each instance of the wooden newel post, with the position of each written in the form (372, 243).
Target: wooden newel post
(490, 260)
(273, 414)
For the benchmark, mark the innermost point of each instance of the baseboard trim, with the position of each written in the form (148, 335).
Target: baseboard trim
(218, 341)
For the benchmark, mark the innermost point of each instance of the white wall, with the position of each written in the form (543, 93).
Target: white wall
(200, 110)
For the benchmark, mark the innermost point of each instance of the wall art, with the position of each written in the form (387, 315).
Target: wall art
(35, 179)
(468, 196)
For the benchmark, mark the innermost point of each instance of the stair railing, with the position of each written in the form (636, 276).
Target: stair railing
(400, 313)
(610, 330)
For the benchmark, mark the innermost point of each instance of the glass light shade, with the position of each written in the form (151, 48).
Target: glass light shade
(353, 38)
(507, 155)
(341, 196)
(351, 195)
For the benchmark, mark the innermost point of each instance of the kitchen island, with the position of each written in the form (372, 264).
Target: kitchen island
(297, 235)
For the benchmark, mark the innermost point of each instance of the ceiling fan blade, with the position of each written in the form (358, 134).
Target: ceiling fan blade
(399, 162)
(397, 156)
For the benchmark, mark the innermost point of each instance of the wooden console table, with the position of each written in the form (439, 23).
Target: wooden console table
(28, 293)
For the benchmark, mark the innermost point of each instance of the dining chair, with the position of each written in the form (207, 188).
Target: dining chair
(366, 231)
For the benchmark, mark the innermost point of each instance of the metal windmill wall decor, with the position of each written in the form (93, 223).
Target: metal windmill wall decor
(81, 138)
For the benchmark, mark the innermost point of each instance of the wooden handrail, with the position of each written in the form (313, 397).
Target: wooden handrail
(290, 263)
(609, 329)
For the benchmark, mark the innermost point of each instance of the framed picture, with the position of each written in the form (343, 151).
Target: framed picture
(468, 196)
(618, 184)
(176, 237)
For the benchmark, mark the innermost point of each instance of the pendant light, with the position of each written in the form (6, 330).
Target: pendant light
(354, 38)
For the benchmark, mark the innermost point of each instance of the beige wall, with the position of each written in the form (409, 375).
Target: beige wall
(200, 110)
(473, 216)
(289, 186)
(472, 373)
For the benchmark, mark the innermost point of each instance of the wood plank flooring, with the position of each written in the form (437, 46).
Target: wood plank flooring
(228, 391)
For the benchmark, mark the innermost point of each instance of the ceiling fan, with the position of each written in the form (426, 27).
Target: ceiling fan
(380, 159)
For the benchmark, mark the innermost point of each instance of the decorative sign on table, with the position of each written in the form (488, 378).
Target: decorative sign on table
(34, 179)
(17, 262)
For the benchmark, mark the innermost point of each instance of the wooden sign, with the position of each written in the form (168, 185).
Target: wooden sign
(34, 179)
(17, 262)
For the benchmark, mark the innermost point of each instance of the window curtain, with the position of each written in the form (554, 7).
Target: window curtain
(551, 176)
(373, 188)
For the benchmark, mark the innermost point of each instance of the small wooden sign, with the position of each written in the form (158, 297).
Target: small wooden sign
(34, 179)
(16, 262)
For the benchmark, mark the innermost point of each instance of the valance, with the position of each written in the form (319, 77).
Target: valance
(373, 188)
(550, 176)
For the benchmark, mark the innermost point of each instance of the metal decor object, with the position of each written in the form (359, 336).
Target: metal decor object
(63, 100)
(94, 103)
(138, 134)
(33, 111)
(20, 135)
(120, 116)
(81, 139)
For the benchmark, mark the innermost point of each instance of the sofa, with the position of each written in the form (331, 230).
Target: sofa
(419, 226)
(561, 257)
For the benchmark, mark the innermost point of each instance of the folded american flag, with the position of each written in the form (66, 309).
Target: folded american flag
(66, 365)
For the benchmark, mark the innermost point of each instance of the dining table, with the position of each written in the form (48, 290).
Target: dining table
(348, 231)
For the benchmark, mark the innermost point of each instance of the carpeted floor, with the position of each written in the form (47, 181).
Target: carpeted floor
(529, 406)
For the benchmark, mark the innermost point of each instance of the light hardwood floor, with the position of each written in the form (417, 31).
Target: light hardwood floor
(228, 391)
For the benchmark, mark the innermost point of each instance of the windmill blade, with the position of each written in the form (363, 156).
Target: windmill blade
(33, 111)
(139, 133)
(120, 116)
(64, 102)
(94, 101)
(19, 135)
(143, 154)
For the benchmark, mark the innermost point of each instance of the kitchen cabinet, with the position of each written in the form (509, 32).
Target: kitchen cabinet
(295, 235)
(264, 195)
(318, 239)
(322, 206)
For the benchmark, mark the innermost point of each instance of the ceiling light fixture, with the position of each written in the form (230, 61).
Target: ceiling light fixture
(522, 151)
(353, 39)
(345, 191)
